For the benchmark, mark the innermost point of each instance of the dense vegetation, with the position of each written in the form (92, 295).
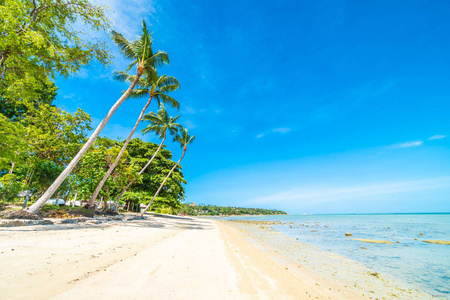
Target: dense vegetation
(212, 210)
(45, 151)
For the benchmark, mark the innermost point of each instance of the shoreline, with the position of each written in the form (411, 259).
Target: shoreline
(327, 265)
(159, 257)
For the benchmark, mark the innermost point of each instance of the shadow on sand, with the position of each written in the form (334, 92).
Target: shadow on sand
(150, 221)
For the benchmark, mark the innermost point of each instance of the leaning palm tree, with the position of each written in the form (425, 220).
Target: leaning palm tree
(184, 139)
(150, 84)
(159, 123)
(141, 53)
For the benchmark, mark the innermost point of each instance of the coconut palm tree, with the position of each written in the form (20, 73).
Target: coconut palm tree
(141, 54)
(184, 139)
(159, 123)
(150, 84)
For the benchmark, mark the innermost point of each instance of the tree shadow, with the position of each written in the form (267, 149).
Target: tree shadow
(172, 222)
(150, 221)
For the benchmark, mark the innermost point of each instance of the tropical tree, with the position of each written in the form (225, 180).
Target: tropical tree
(184, 139)
(141, 53)
(36, 145)
(95, 164)
(149, 84)
(160, 122)
(39, 42)
(148, 182)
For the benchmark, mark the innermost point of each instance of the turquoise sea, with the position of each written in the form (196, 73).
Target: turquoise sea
(421, 265)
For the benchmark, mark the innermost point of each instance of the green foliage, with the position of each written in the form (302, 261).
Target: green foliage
(64, 211)
(38, 41)
(10, 186)
(94, 165)
(184, 138)
(140, 51)
(136, 197)
(17, 108)
(173, 192)
(37, 143)
(160, 122)
(151, 84)
(56, 134)
(212, 210)
(49, 207)
(12, 142)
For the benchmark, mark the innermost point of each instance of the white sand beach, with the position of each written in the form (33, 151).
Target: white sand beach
(156, 258)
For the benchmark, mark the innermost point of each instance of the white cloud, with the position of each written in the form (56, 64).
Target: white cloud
(281, 130)
(408, 144)
(126, 16)
(189, 125)
(310, 195)
(189, 110)
(68, 96)
(436, 137)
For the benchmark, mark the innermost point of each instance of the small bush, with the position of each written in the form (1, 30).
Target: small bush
(64, 212)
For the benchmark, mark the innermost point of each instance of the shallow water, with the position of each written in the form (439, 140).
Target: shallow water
(422, 265)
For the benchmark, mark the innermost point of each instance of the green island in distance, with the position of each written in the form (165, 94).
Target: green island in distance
(213, 210)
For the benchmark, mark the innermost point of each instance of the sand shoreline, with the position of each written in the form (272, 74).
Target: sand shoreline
(327, 265)
(157, 258)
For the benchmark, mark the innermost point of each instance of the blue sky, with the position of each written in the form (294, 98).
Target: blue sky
(306, 106)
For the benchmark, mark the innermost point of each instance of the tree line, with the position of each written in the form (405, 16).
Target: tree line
(47, 151)
(213, 210)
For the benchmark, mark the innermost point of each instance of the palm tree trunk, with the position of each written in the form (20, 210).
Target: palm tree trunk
(154, 155)
(55, 185)
(12, 168)
(116, 161)
(74, 199)
(121, 194)
(162, 184)
(142, 170)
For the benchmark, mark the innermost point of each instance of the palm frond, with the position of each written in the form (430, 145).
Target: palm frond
(152, 128)
(132, 65)
(167, 83)
(152, 117)
(158, 59)
(167, 100)
(139, 93)
(176, 118)
(151, 74)
(174, 127)
(160, 122)
(143, 83)
(158, 101)
(184, 138)
(125, 47)
(140, 51)
(169, 88)
(123, 76)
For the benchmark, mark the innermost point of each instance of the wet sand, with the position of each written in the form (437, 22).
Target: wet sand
(325, 265)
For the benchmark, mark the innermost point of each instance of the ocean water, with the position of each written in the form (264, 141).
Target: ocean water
(421, 265)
